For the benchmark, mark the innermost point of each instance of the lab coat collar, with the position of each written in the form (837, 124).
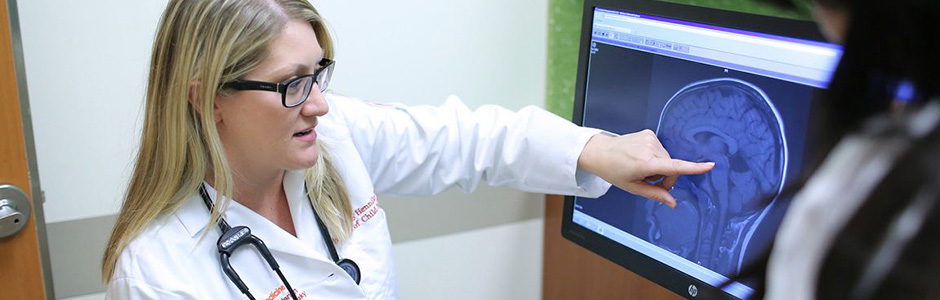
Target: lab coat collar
(193, 214)
(195, 217)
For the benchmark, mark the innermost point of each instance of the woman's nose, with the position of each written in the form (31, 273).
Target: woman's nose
(315, 104)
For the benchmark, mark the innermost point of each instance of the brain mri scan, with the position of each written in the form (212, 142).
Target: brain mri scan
(732, 123)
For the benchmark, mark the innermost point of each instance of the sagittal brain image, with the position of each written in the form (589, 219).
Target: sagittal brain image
(732, 123)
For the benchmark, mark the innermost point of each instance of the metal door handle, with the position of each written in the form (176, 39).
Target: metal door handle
(14, 210)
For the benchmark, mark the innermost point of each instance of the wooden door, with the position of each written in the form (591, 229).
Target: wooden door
(20, 264)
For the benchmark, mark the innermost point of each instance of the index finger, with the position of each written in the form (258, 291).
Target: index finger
(668, 166)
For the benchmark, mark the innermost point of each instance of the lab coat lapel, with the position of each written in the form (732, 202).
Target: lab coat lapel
(302, 212)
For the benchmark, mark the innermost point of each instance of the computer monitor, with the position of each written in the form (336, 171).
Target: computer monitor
(733, 88)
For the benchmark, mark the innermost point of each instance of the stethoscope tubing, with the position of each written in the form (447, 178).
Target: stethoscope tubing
(234, 237)
(227, 245)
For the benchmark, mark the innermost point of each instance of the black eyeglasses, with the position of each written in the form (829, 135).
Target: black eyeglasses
(294, 91)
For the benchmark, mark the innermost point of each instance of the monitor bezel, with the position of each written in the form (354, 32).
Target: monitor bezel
(647, 267)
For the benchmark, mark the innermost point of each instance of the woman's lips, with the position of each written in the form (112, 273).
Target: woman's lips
(308, 135)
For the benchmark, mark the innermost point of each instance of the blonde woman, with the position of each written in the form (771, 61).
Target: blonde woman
(244, 148)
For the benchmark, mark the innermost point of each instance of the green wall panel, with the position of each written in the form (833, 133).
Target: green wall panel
(564, 30)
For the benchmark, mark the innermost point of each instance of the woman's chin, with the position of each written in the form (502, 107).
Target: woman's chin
(304, 161)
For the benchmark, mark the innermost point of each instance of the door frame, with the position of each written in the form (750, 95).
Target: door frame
(35, 188)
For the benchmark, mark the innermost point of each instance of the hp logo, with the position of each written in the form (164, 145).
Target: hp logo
(693, 291)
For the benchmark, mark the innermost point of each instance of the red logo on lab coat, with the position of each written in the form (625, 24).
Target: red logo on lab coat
(273, 295)
(366, 212)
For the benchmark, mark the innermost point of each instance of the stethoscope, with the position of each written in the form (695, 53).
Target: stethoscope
(234, 237)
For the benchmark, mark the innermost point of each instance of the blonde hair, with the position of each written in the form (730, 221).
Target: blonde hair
(208, 43)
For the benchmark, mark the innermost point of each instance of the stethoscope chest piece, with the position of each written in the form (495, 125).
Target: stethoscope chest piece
(351, 268)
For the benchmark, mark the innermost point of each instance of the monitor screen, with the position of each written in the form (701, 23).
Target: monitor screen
(715, 87)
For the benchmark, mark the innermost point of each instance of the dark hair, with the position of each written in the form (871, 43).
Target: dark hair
(889, 248)
(889, 44)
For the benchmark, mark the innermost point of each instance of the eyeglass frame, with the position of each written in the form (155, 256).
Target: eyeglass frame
(281, 87)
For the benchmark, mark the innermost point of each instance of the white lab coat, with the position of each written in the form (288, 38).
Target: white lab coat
(378, 149)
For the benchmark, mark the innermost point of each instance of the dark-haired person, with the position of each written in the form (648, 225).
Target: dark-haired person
(866, 224)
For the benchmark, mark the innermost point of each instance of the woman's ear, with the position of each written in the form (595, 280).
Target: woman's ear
(216, 111)
(194, 95)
